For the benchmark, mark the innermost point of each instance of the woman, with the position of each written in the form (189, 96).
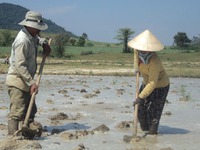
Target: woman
(155, 86)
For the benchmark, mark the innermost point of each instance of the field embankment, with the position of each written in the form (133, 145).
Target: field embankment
(109, 60)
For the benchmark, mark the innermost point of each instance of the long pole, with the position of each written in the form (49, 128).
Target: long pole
(34, 94)
(135, 121)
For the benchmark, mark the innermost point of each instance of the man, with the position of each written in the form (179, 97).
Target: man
(23, 66)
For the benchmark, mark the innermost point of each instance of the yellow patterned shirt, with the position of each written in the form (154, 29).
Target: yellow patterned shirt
(154, 75)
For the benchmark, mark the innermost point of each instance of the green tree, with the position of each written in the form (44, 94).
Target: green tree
(81, 41)
(72, 41)
(6, 38)
(195, 40)
(85, 36)
(195, 43)
(123, 35)
(181, 40)
(61, 41)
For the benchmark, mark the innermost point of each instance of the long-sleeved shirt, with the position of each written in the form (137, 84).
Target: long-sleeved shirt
(23, 63)
(154, 75)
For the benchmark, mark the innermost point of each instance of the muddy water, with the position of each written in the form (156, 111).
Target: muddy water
(92, 112)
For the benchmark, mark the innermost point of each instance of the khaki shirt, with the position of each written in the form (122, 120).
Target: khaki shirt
(23, 63)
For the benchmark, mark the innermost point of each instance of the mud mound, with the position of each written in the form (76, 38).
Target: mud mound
(80, 147)
(63, 116)
(60, 116)
(3, 127)
(82, 133)
(76, 135)
(10, 144)
(131, 139)
(124, 124)
(100, 129)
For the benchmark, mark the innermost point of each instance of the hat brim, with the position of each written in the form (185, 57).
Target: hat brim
(146, 41)
(36, 25)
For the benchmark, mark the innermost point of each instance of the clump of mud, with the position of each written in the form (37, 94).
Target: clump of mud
(64, 91)
(81, 133)
(100, 129)
(168, 113)
(60, 116)
(10, 144)
(131, 139)
(89, 95)
(63, 116)
(76, 135)
(3, 126)
(80, 147)
(124, 124)
(93, 94)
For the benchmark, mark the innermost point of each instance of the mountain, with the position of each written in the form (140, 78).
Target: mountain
(11, 15)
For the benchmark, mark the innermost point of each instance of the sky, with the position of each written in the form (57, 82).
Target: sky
(101, 19)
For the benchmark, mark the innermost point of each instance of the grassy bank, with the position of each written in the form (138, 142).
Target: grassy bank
(108, 59)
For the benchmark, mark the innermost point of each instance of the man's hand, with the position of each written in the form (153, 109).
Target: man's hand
(46, 49)
(33, 88)
(137, 101)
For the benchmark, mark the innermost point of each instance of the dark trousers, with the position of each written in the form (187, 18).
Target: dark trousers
(150, 109)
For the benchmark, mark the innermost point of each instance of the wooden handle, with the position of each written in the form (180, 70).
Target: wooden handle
(34, 94)
(135, 121)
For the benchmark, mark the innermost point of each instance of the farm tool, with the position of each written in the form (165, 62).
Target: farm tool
(25, 128)
(134, 137)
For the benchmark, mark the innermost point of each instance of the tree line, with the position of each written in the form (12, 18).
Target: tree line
(181, 41)
(60, 41)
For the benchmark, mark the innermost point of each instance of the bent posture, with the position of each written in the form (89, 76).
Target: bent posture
(155, 86)
(23, 66)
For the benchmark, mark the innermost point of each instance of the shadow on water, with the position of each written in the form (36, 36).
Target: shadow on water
(172, 130)
(70, 126)
(58, 129)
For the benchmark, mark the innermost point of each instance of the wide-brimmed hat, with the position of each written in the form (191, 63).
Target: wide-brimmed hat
(146, 41)
(34, 20)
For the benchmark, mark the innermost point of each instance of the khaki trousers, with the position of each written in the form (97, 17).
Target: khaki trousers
(19, 102)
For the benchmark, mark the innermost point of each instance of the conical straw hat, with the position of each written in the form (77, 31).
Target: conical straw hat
(146, 41)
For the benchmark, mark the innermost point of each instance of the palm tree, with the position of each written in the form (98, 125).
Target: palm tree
(123, 35)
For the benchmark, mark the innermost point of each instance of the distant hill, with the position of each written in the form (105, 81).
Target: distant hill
(11, 15)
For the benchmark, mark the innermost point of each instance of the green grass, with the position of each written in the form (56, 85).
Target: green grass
(109, 56)
(171, 55)
(74, 50)
(114, 53)
(4, 51)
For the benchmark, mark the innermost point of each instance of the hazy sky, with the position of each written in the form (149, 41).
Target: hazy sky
(101, 19)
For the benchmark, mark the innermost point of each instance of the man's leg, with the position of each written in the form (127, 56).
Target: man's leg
(17, 105)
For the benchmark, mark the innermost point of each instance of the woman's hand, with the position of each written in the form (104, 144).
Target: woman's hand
(137, 101)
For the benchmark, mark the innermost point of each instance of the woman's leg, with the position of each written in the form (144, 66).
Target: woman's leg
(157, 101)
(143, 113)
